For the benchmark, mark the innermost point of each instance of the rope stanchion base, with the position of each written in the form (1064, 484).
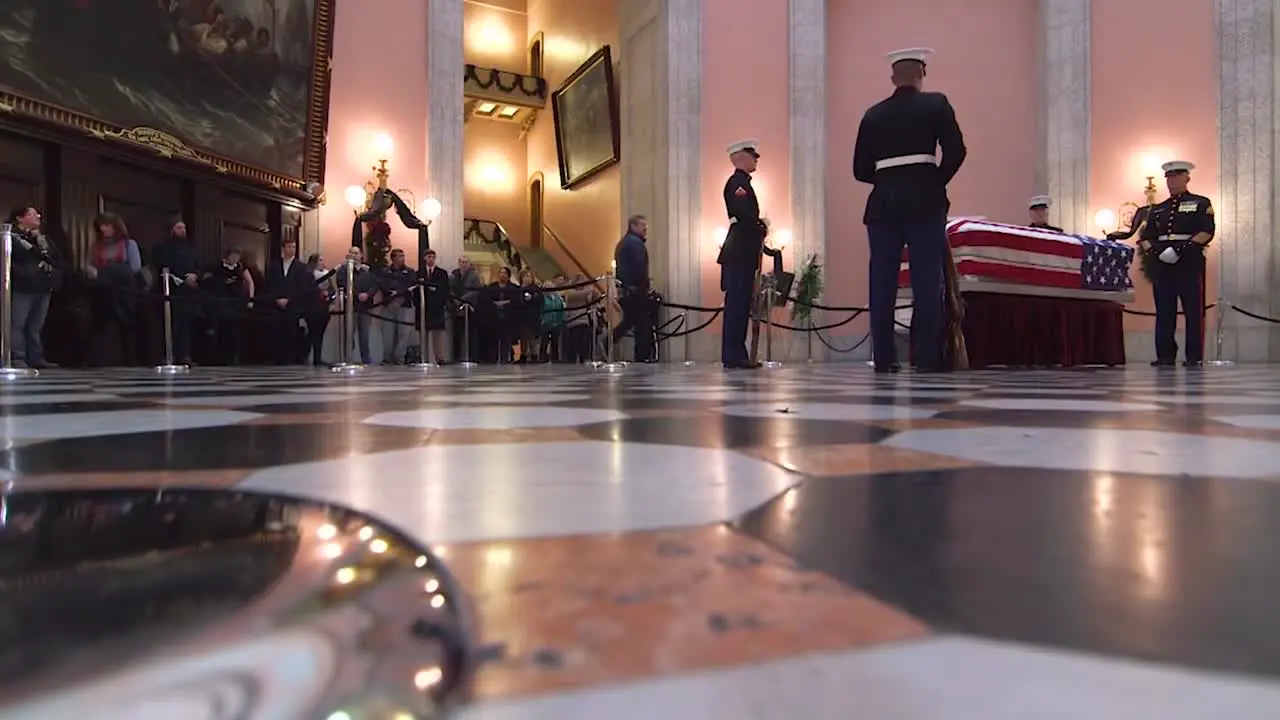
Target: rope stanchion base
(422, 366)
(468, 365)
(1218, 363)
(9, 372)
(603, 366)
(771, 364)
(172, 369)
(347, 368)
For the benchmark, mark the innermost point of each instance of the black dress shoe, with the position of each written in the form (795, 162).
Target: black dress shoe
(745, 365)
(886, 369)
(1162, 363)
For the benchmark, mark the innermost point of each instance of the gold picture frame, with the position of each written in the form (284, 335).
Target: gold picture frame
(585, 112)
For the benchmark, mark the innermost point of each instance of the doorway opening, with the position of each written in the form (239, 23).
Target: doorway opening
(535, 210)
(535, 56)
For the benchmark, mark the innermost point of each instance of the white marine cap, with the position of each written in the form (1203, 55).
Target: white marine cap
(751, 146)
(1040, 201)
(920, 55)
(1174, 166)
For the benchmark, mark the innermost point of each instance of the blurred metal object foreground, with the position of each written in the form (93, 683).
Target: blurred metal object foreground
(146, 603)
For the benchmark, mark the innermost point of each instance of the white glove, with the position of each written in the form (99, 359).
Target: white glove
(1169, 255)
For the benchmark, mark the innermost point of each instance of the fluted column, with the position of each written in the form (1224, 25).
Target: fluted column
(1245, 211)
(807, 36)
(444, 123)
(660, 78)
(1064, 110)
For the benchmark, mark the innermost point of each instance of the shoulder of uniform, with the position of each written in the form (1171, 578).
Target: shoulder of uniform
(936, 98)
(1201, 198)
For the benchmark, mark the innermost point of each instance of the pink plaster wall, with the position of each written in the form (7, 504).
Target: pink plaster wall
(496, 35)
(588, 218)
(745, 94)
(987, 66)
(365, 101)
(1140, 119)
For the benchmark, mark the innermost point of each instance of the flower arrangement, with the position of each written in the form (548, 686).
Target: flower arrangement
(808, 289)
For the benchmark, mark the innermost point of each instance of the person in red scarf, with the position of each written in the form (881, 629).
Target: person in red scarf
(115, 269)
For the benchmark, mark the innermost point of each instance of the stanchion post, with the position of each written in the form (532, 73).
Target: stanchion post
(7, 369)
(1221, 306)
(423, 363)
(770, 296)
(688, 353)
(467, 362)
(349, 322)
(610, 363)
(166, 299)
(808, 337)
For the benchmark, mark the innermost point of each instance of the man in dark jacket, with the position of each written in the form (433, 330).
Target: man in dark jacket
(631, 261)
(289, 286)
(36, 272)
(177, 254)
(362, 294)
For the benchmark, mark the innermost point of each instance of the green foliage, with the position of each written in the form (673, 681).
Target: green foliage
(808, 288)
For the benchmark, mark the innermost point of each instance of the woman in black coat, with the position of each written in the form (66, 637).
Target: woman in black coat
(36, 272)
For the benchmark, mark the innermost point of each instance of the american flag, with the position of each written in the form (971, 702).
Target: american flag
(1105, 265)
(1032, 256)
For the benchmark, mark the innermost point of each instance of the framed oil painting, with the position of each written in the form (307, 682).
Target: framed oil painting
(585, 110)
(239, 85)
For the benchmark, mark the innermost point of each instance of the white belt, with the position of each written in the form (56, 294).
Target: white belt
(1173, 237)
(901, 160)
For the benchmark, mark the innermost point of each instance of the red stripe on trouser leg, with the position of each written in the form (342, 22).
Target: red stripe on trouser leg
(1204, 273)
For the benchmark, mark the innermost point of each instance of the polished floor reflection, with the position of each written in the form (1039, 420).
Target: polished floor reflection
(813, 539)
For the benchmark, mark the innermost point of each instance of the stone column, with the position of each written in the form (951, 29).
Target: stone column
(660, 77)
(808, 119)
(444, 124)
(1065, 110)
(1245, 209)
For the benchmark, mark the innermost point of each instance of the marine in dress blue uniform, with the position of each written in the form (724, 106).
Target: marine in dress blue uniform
(739, 257)
(897, 153)
(1038, 209)
(1177, 232)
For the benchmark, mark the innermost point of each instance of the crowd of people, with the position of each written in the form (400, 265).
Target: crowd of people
(231, 312)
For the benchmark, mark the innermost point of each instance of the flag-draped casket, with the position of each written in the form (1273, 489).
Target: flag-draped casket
(1001, 253)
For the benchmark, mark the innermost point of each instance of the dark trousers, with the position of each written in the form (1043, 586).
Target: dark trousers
(637, 318)
(1181, 283)
(317, 323)
(183, 319)
(926, 244)
(737, 282)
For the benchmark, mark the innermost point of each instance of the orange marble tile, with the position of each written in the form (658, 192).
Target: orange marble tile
(516, 435)
(157, 478)
(574, 612)
(840, 460)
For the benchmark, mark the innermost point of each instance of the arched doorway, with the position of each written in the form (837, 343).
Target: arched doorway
(535, 56)
(536, 220)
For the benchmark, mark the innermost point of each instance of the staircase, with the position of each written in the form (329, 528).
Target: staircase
(489, 244)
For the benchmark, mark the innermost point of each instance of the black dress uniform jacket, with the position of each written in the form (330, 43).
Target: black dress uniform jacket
(746, 230)
(1173, 223)
(909, 122)
(1046, 226)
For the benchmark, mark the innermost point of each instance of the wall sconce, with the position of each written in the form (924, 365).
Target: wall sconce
(1109, 220)
(720, 234)
(782, 239)
(360, 198)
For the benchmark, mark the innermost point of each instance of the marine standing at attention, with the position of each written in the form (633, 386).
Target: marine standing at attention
(1039, 210)
(1176, 234)
(740, 255)
(897, 153)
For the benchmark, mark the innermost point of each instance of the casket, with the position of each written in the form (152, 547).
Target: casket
(991, 252)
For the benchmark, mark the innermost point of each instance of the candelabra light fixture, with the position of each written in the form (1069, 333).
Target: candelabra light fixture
(361, 197)
(1125, 219)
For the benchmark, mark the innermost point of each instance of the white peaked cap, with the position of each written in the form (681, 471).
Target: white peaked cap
(1040, 201)
(1178, 166)
(920, 55)
(741, 145)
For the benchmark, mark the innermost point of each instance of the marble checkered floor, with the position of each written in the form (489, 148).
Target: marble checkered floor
(813, 541)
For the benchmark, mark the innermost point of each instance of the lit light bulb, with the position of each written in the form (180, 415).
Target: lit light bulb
(1105, 219)
(719, 234)
(783, 239)
(383, 145)
(431, 209)
(355, 196)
